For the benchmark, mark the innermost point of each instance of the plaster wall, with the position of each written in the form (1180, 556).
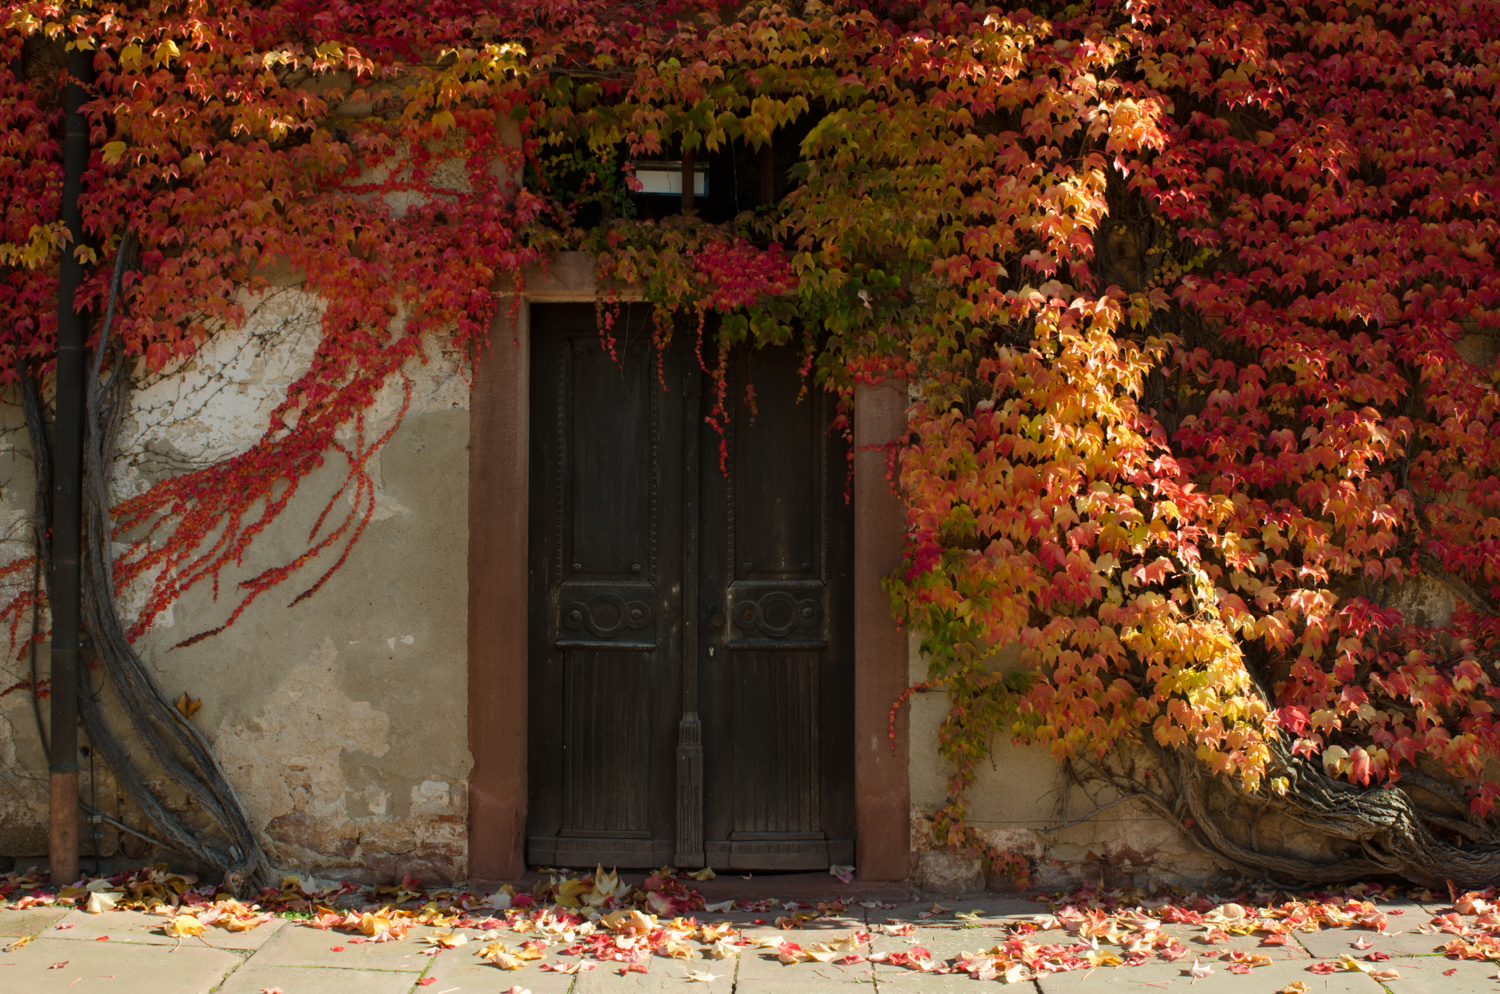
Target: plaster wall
(1023, 803)
(342, 721)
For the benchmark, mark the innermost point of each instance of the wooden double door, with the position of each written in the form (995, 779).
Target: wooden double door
(691, 670)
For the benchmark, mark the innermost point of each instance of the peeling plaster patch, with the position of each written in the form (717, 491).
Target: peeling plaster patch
(7, 744)
(1425, 602)
(431, 798)
(377, 800)
(23, 798)
(290, 761)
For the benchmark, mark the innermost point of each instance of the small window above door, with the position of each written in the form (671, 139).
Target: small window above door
(664, 178)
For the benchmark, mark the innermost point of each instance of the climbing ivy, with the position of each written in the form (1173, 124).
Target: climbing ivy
(1200, 299)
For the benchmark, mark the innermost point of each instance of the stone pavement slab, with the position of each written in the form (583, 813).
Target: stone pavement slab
(760, 972)
(950, 908)
(28, 922)
(462, 969)
(945, 942)
(301, 945)
(664, 974)
(113, 968)
(1440, 975)
(1156, 977)
(1194, 937)
(894, 980)
(140, 927)
(253, 978)
(1330, 943)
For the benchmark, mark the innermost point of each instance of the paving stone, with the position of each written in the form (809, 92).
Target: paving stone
(1332, 942)
(760, 971)
(662, 974)
(253, 978)
(140, 927)
(766, 921)
(28, 922)
(116, 968)
(301, 945)
(946, 942)
(1175, 976)
(463, 969)
(1429, 975)
(1193, 937)
(1013, 908)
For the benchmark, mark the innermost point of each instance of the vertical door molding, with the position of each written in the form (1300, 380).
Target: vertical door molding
(499, 493)
(882, 792)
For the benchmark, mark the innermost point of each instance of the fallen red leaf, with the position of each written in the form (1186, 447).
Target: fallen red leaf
(337, 949)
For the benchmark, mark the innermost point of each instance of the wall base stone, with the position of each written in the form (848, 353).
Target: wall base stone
(948, 874)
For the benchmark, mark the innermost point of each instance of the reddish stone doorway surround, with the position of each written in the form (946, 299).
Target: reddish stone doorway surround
(499, 457)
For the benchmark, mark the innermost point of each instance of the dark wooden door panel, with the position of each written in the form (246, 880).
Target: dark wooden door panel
(606, 578)
(776, 717)
(609, 472)
(778, 711)
(690, 678)
(606, 745)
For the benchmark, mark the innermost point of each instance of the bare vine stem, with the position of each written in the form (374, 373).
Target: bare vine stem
(175, 746)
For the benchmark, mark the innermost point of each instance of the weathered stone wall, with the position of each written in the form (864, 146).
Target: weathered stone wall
(1022, 802)
(342, 721)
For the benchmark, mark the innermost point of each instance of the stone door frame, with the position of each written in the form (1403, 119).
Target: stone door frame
(499, 591)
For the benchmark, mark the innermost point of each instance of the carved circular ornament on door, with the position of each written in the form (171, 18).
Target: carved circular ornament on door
(606, 615)
(777, 614)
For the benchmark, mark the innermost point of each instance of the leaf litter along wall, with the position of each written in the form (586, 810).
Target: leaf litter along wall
(1193, 292)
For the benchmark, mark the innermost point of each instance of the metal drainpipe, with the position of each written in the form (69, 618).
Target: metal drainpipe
(67, 493)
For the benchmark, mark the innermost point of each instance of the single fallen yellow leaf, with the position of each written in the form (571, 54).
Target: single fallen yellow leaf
(1295, 987)
(500, 955)
(186, 706)
(102, 901)
(715, 932)
(848, 944)
(447, 940)
(703, 874)
(183, 927)
(606, 886)
(629, 919)
(23, 940)
(722, 949)
(570, 893)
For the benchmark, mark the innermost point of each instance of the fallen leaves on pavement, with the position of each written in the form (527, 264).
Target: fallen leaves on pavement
(571, 924)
